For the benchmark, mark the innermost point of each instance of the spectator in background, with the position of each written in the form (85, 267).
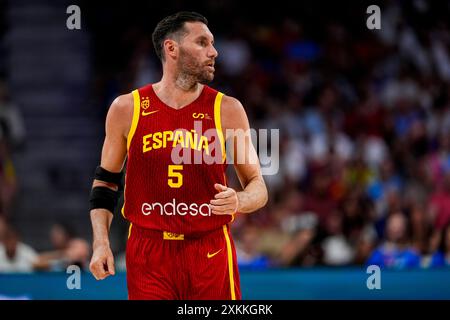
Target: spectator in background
(439, 204)
(15, 256)
(433, 247)
(12, 137)
(8, 182)
(235, 54)
(302, 248)
(3, 226)
(337, 250)
(438, 161)
(318, 196)
(10, 119)
(441, 257)
(395, 251)
(248, 255)
(386, 182)
(68, 250)
(421, 228)
(282, 225)
(358, 214)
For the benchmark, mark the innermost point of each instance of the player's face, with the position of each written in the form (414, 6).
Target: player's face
(197, 53)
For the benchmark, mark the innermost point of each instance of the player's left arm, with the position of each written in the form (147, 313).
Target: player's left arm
(246, 163)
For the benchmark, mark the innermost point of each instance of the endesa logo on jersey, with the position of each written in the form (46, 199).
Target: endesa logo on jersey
(173, 208)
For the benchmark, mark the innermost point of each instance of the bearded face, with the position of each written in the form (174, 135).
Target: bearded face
(194, 67)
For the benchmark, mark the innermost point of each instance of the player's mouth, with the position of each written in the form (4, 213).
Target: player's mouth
(210, 66)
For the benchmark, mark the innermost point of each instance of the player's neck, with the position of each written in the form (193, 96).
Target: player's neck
(176, 93)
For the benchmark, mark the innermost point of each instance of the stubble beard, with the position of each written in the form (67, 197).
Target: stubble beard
(191, 72)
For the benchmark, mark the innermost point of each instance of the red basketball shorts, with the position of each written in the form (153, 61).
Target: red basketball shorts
(162, 265)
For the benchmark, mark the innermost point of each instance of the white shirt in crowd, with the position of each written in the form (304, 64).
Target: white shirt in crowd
(22, 262)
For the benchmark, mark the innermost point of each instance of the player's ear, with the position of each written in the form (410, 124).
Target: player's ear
(170, 48)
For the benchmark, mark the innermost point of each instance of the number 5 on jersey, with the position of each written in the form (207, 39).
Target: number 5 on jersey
(175, 177)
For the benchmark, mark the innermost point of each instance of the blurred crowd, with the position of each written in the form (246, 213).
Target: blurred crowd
(364, 120)
(67, 250)
(16, 256)
(365, 141)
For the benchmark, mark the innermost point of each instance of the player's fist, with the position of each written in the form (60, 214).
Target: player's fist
(226, 201)
(102, 262)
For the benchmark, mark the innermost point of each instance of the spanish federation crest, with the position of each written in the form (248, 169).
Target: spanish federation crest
(145, 103)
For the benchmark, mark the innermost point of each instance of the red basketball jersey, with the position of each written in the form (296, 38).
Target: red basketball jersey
(174, 159)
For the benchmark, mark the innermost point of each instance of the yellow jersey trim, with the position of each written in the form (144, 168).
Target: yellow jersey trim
(129, 230)
(218, 123)
(123, 207)
(134, 123)
(230, 262)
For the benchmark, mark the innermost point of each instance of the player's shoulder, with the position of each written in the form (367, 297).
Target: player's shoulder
(233, 114)
(120, 113)
(231, 105)
(121, 107)
(123, 103)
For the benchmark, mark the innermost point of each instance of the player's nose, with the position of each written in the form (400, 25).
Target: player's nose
(212, 53)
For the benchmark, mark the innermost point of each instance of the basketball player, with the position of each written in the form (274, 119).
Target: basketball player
(179, 244)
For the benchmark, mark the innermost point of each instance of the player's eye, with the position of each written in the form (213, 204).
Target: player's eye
(203, 43)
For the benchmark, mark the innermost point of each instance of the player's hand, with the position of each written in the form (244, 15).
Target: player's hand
(224, 202)
(102, 262)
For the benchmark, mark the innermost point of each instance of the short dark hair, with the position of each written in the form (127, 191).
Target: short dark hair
(172, 25)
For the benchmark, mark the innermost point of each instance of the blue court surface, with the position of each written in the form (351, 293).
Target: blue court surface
(289, 284)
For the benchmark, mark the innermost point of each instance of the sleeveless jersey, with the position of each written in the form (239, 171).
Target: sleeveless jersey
(174, 159)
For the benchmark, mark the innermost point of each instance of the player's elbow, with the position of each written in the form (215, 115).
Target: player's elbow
(265, 196)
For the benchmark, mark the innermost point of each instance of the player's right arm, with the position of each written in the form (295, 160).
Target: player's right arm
(118, 123)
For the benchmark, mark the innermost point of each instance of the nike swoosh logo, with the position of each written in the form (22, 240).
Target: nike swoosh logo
(210, 255)
(147, 113)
